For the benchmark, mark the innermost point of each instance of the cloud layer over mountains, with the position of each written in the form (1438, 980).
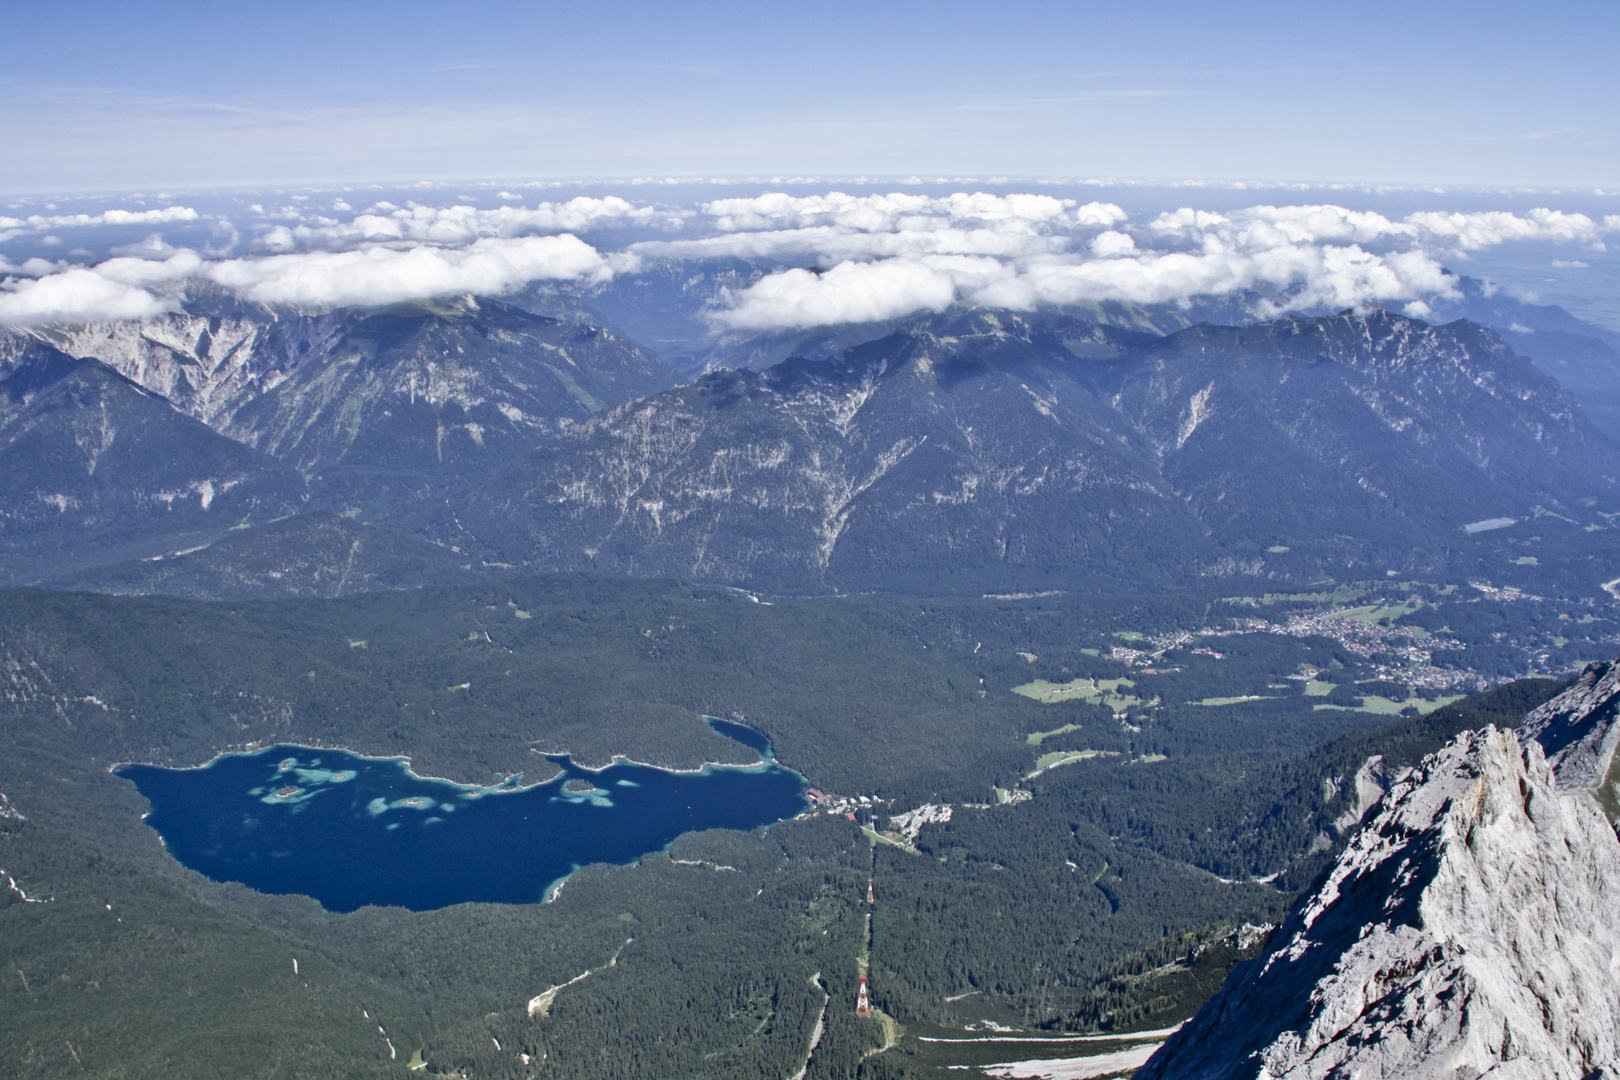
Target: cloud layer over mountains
(386, 223)
(887, 256)
(835, 258)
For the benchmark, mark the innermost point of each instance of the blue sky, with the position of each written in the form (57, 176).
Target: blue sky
(109, 97)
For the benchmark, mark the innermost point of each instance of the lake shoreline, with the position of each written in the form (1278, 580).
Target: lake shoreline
(271, 819)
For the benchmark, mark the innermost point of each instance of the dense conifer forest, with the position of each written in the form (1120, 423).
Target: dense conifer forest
(1041, 903)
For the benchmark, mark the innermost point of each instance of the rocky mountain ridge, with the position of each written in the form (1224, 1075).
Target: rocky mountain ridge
(207, 364)
(375, 407)
(1579, 732)
(666, 306)
(1468, 930)
(1359, 425)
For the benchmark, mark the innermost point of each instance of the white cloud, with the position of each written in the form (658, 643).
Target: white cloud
(147, 217)
(852, 292)
(830, 245)
(279, 238)
(1112, 242)
(1262, 227)
(1307, 276)
(153, 247)
(452, 226)
(1099, 215)
(879, 256)
(122, 288)
(1306, 257)
(834, 228)
(895, 212)
(1471, 232)
(108, 217)
(38, 267)
(382, 275)
(183, 264)
(75, 296)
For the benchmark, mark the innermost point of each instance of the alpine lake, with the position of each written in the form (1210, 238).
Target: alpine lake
(351, 830)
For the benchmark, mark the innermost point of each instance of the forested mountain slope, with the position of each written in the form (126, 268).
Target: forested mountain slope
(1041, 898)
(95, 469)
(315, 554)
(995, 452)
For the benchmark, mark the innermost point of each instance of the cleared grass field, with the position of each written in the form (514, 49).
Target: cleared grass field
(1343, 594)
(1373, 612)
(1383, 706)
(1066, 757)
(1092, 691)
(1035, 738)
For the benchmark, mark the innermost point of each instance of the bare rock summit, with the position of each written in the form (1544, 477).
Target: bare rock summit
(1470, 929)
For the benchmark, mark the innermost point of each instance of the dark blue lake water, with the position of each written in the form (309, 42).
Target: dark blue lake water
(351, 830)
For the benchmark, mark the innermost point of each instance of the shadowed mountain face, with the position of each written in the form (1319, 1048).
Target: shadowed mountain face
(1582, 356)
(1383, 431)
(95, 469)
(994, 451)
(961, 452)
(227, 413)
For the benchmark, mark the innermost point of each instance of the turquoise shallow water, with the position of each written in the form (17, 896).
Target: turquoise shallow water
(351, 831)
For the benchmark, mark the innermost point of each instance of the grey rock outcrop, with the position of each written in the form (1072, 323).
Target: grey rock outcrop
(1371, 783)
(1577, 728)
(1470, 929)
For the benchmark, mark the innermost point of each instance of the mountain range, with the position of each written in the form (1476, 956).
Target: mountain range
(972, 451)
(1003, 452)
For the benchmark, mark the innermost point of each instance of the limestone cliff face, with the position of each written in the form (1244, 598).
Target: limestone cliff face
(206, 365)
(379, 410)
(1471, 928)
